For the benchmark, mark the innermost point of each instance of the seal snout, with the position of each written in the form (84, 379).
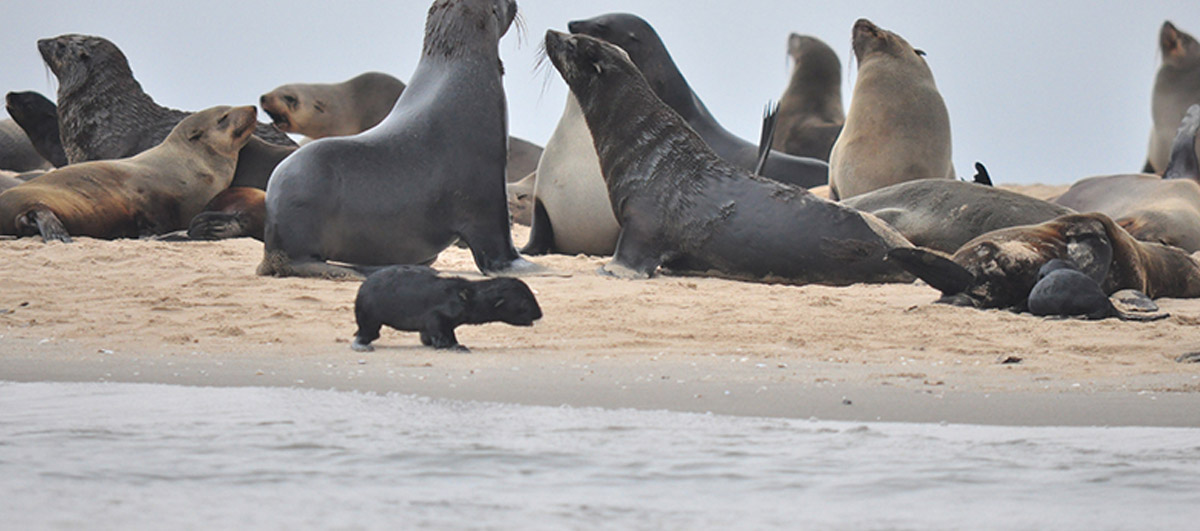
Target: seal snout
(864, 26)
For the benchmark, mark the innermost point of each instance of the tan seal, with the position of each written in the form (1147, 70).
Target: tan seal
(1176, 87)
(156, 191)
(318, 110)
(898, 128)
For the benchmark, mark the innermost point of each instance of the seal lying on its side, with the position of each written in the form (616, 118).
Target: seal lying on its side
(153, 192)
(810, 112)
(944, 214)
(1157, 209)
(1176, 87)
(998, 269)
(416, 299)
(898, 128)
(1062, 290)
(646, 49)
(38, 116)
(103, 113)
(431, 173)
(683, 207)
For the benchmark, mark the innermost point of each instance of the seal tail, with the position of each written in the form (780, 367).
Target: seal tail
(981, 174)
(770, 122)
(934, 268)
(1183, 163)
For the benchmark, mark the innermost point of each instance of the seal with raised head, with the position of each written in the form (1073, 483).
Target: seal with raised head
(684, 208)
(1151, 208)
(415, 299)
(810, 111)
(1062, 290)
(401, 192)
(156, 191)
(898, 128)
(103, 113)
(38, 116)
(646, 49)
(998, 269)
(1176, 87)
(944, 214)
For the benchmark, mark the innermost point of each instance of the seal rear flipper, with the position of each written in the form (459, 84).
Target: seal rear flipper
(541, 232)
(47, 224)
(935, 269)
(770, 122)
(634, 257)
(981, 174)
(216, 226)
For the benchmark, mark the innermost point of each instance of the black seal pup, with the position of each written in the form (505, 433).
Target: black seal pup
(683, 207)
(1062, 290)
(647, 51)
(431, 173)
(38, 116)
(416, 299)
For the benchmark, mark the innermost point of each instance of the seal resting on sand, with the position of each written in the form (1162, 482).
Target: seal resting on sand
(683, 207)
(416, 299)
(430, 174)
(998, 269)
(153, 192)
(1062, 290)
(898, 128)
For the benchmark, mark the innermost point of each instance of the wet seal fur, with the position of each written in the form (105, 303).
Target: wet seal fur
(153, 192)
(1151, 208)
(810, 111)
(104, 114)
(416, 299)
(1062, 290)
(998, 269)
(646, 49)
(401, 192)
(944, 214)
(1176, 87)
(898, 128)
(683, 207)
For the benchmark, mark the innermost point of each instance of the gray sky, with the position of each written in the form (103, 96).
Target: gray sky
(1040, 91)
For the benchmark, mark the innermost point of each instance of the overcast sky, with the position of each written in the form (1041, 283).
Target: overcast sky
(1041, 91)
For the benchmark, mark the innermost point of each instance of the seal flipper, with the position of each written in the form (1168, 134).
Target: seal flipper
(541, 232)
(1092, 254)
(1183, 163)
(634, 257)
(936, 270)
(47, 224)
(981, 174)
(770, 122)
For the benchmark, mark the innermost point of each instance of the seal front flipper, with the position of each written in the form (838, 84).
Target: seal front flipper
(981, 174)
(936, 270)
(1092, 253)
(541, 232)
(770, 123)
(635, 257)
(47, 224)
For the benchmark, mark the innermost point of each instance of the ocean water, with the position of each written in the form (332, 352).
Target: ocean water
(128, 456)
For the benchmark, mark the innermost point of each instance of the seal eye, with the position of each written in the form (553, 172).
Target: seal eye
(83, 56)
(291, 101)
(196, 134)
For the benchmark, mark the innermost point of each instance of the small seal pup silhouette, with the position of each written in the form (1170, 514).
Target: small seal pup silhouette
(1063, 290)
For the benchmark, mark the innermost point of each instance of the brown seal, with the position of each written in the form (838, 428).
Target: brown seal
(153, 192)
(318, 110)
(235, 212)
(898, 128)
(998, 269)
(810, 111)
(1176, 87)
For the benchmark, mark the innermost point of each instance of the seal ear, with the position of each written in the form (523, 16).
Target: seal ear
(937, 270)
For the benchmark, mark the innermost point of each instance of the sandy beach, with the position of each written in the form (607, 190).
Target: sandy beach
(196, 314)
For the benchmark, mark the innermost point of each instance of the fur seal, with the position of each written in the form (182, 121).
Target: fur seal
(683, 207)
(16, 151)
(1062, 290)
(399, 193)
(810, 111)
(1151, 208)
(38, 116)
(1176, 87)
(416, 299)
(103, 112)
(998, 269)
(571, 210)
(235, 212)
(898, 128)
(944, 214)
(646, 49)
(153, 192)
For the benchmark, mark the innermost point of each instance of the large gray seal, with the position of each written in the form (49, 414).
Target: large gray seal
(684, 208)
(1176, 87)
(431, 173)
(998, 269)
(646, 49)
(38, 116)
(810, 111)
(103, 113)
(944, 214)
(1151, 208)
(156, 191)
(898, 128)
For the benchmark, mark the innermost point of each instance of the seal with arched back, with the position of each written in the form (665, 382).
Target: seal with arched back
(431, 173)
